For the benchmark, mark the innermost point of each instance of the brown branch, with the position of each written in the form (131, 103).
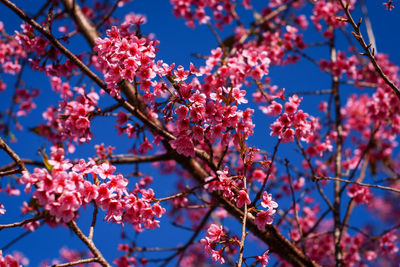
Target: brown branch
(72, 263)
(294, 205)
(358, 183)
(21, 223)
(368, 26)
(321, 192)
(338, 160)
(108, 15)
(258, 196)
(24, 161)
(13, 155)
(192, 238)
(9, 172)
(94, 219)
(139, 159)
(89, 243)
(365, 47)
(243, 237)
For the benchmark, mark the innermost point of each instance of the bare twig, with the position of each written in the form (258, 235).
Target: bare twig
(108, 15)
(15, 240)
(89, 243)
(338, 159)
(358, 183)
(321, 192)
(21, 223)
(366, 47)
(243, 237)
(13, 155)
(294, 205)
(192, 238)
(93, 224)
(258, 196)
(368, 25)
(72, 263)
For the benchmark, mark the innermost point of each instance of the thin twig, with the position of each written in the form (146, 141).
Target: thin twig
(72, 263)
(13, 155)
(215, 33)
(89, 243)
(368, 25)
(15, 240)
(258, 196)
(294, 205)
(338, 159)
(93, 224)
(366, 47)
(187, 192)
(243, 237)
(21, 223)
(321, 192)
(192, 238)
(358, 183)
(108, 15)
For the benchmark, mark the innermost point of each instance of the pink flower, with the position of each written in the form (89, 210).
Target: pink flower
(263, 218)
(105, 170)
(158, 210)
(267, 201)
(359, 193)
(183, 145)
(215, 232)
(2, 209)
(242, 198)
(207, 245)
(145, 146)
(122, 117)
(370, 255)
(263, 259)
(216, 256)
(89, 192)
(274, 109)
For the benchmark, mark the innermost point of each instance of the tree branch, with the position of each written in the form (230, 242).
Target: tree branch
(367, 52)
(89, 243)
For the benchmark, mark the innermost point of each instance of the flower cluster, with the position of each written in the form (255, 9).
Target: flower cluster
(124, 55)
(16, 260)
(104, 152)
(215, 234)
(292, 123)
(24, 98)
(263, 259)
(327, 12)
(10, 53)
(388, 242)
(65, 187)
(195, 9)
(266, 217)
(71, 120)
(359, 193)
(342, 65)
(228, 185)
(208, 111)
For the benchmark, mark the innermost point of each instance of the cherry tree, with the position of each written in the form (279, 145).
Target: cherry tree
(328, 156)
